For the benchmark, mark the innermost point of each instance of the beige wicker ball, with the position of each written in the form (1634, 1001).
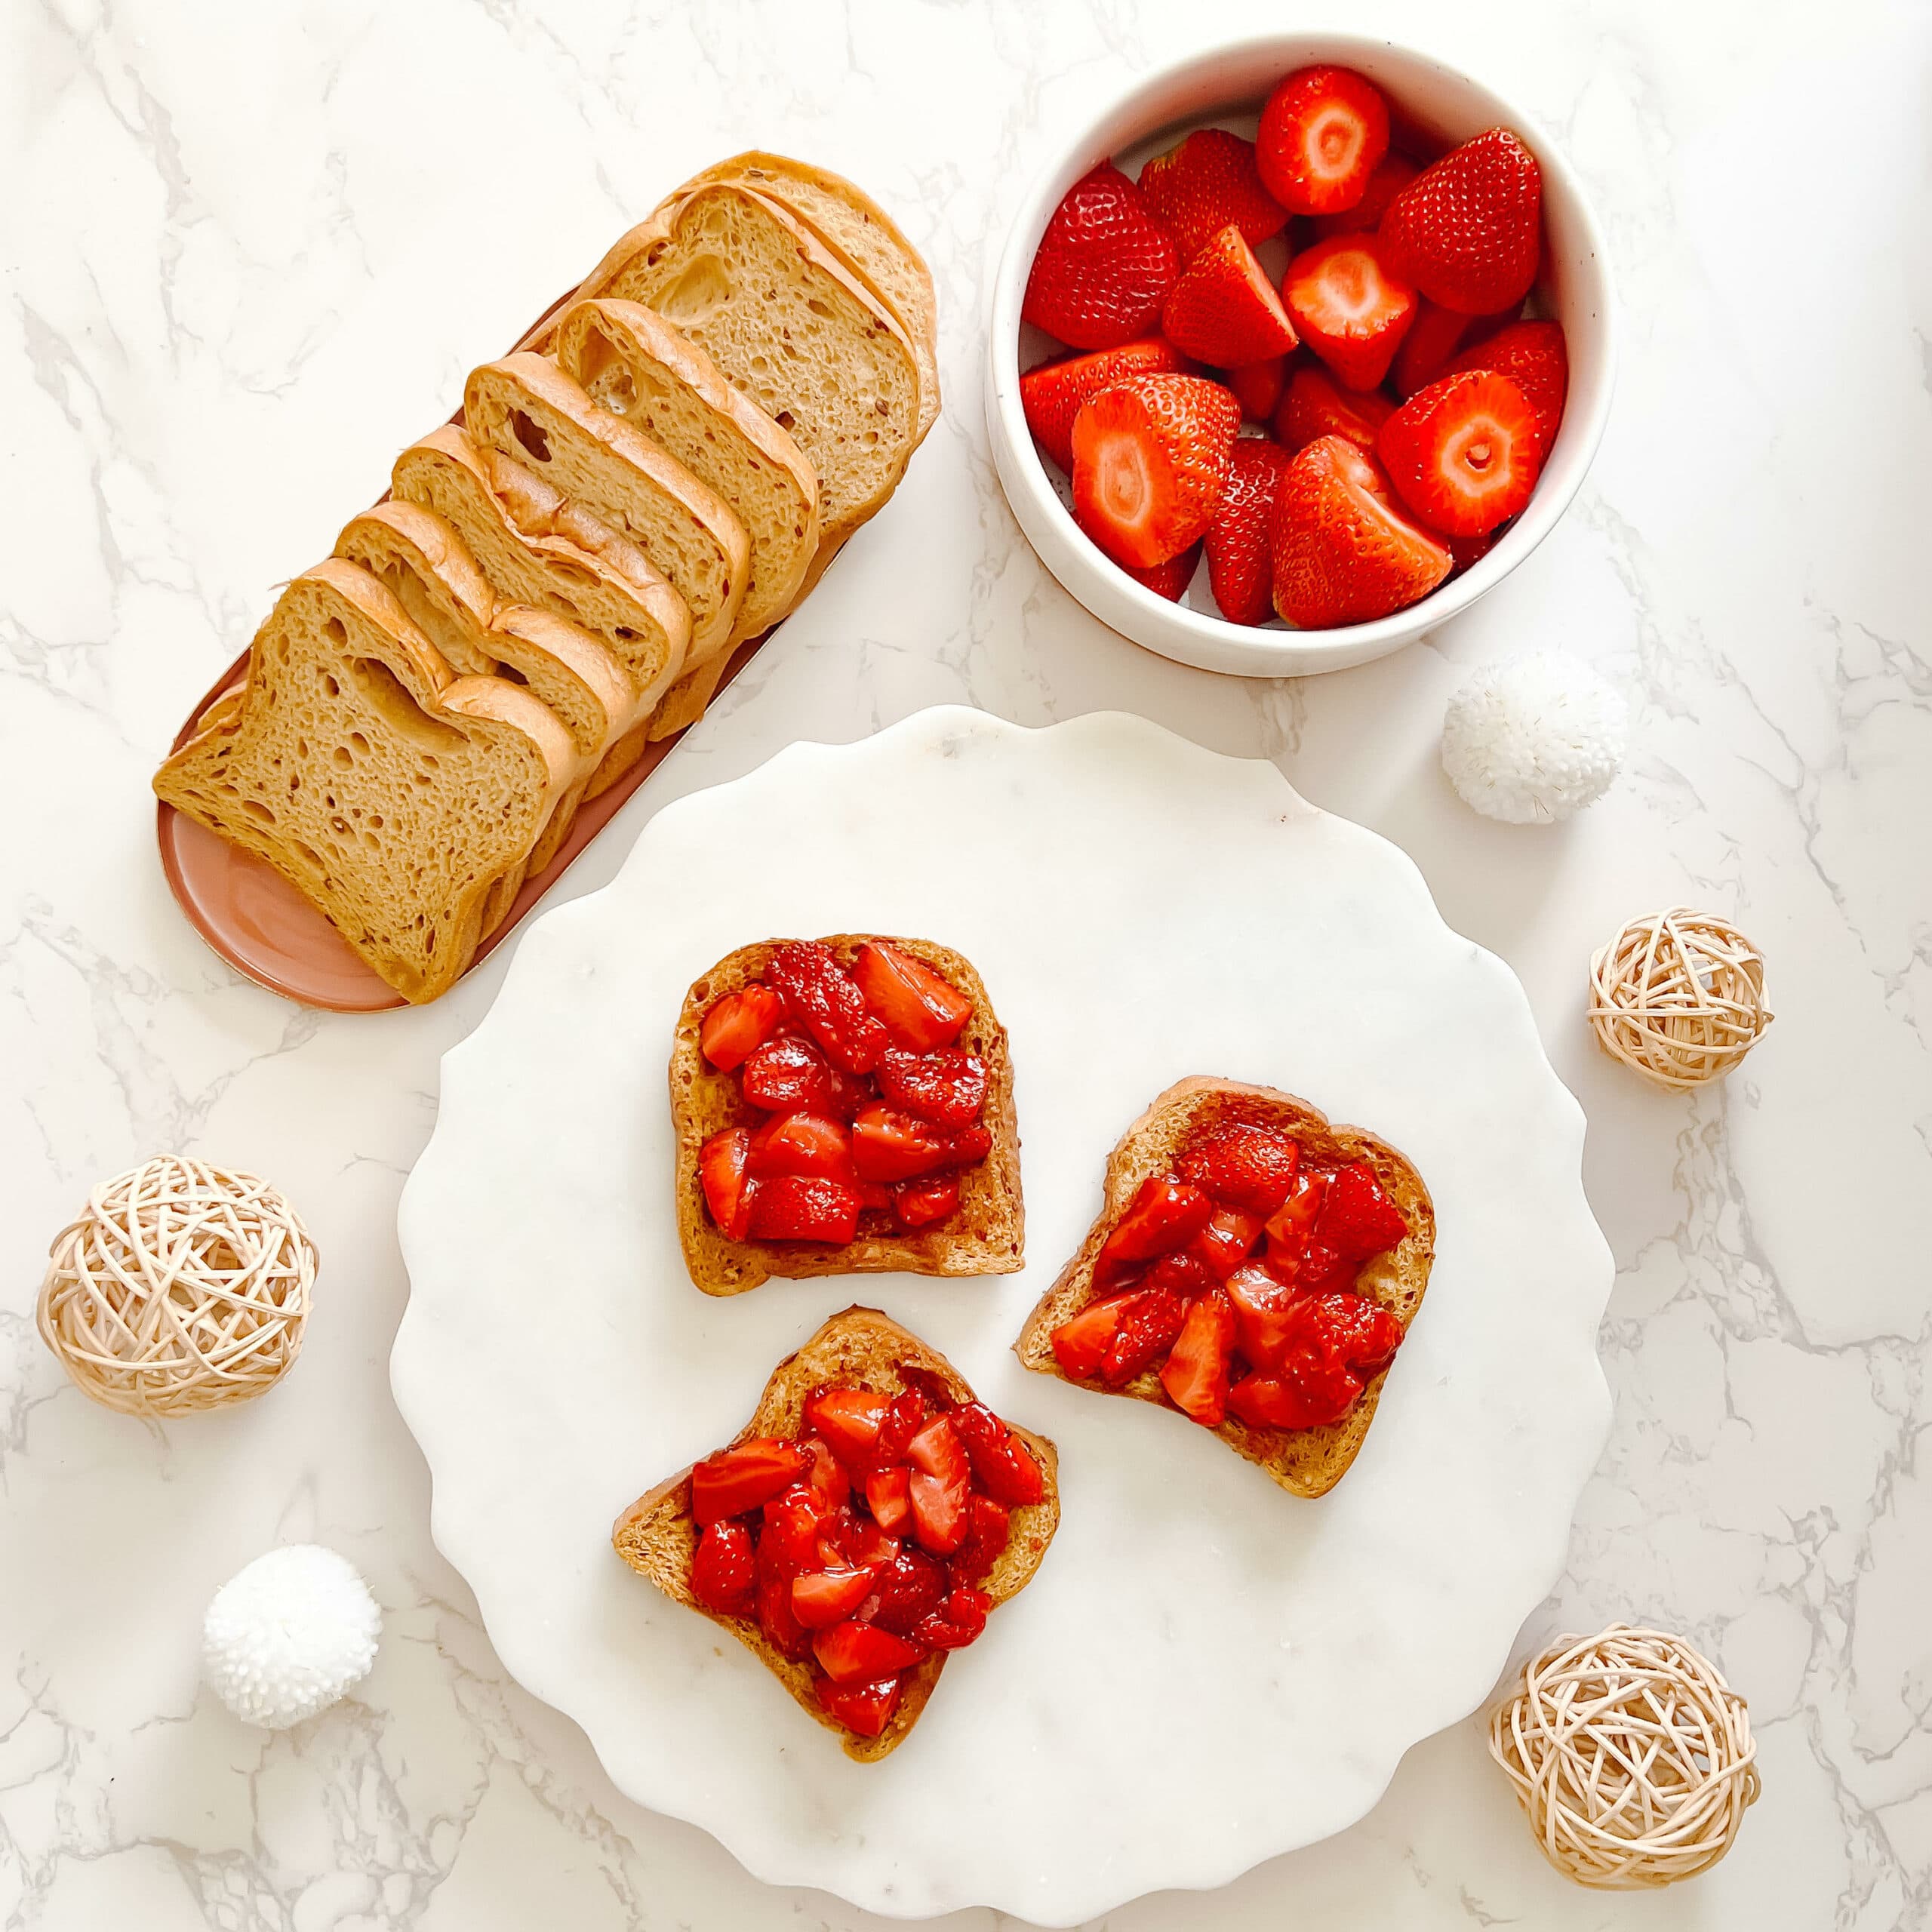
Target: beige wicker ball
(1679, 996)
(1630, 1756)
(182, 1287)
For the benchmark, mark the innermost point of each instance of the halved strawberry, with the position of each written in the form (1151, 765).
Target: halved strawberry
(1243, 1164)
(1171, 579)
(743, 1479)
(889, 1496)
(1150, 458)
(1081, 1343)
(864, 1709)
(724, 1569)
(1260, 1305)
(1102, 266)
(956, 1622)
(1206, 181)
(727, 1193)
(736, 1023)
(987, 1531)
(1224, 309)
(1052, 394)
(1226, 1241)
(1358, 1219)
(854, 1652)
(1533, 356)
(889, 1146)
(820, 995)
(905, 1417)
(1240, 562)
(1195, 1373)
(911, 1586)
(1387, 179)
(788, 1076)
(947, 1086)
(1314, 407)
(919, 1203)
(1322, 131)
(1350, 307)
(1164, 1214)
(805, 1207)
(801, 1144)
(1467, 231)
(1433, 337)
(1003, 1463)
(1343, 553)
(1143, 1334)
(848, 1420)
(821, 1597)
(921, 1009)
(942, 1481)
(1258, 386)
(1464, 454)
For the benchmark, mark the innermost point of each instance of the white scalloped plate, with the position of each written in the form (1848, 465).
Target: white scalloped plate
(1206, 1672)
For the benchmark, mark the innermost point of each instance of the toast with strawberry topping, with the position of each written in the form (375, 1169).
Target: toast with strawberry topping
(844, 1106)
(1253, 1266)
(861, 1527)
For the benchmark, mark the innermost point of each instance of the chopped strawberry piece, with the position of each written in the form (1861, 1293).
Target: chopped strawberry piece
(825, 1473)
(987, 1529)
(1257, 387)
(790, 1525)
(1102, 267)
(788, 1635)
(1081, 1343)
(1350, 308)
(1224, 309)
(1171, 579)
(848, 1420)
(801, 1144)
(1532, 356)
(1363, 1332)
(1051, 394)
(741, 1478)
(789, 1075)
(1243, 1164)
(905, 1417)
(863, 1541)
(1204, 182)
(1241, 566)
(921, 1009)
(1321, 1266)
(920, 1203)
(727, 1194)
(850, 1093)
(942, 1481)
(822, 1597)
(1292, 1221)
(1387, 179)
(911, 1586)
(947, 1086)
(1323, 130)
(820, 995)
(1466, 231)
(736, 1024)
(1164, 1214)
(1184, 1271)
(1464, 454)
(1003, 1463)
(966, 1145)
(1226, 1241)
(1321, 1391)
(724, 1569)
(864, 1709)
(1343, 553)
(956, 1622)
(889, 1146)
(1260, 1304)
(889, 1496)
(1314, 407)
(1358, 1219)
(1150, 459)
(1433, 337)
(1195, 1373)
(854, 1652)
(805, 1207)
(1147, 1329)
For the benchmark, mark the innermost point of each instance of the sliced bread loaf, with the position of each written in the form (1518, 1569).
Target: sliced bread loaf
(526, 408)
(391, 793)
(790, 327)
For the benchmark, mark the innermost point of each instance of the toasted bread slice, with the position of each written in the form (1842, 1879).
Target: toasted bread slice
(987, 1234)
(1306, 1462)
(656, 1536)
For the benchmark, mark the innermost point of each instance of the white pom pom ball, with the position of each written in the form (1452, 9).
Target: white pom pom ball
(286, 1637)
(1531, 739)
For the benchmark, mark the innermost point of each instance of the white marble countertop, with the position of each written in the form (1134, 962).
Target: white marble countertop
(245, 261)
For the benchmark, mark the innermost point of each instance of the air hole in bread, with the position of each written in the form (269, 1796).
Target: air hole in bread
(530, 435)
(703, 289)
(785, 419)
(334, 632)
(818, 308)
(343, 755)
(257, 811)
(330, 685)
(383, 692)
(356, 739)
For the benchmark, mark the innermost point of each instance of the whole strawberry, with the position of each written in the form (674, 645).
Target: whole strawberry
(1198, 187)
(1241, 565)
(1103, 266)
(1224, 309)
(1467, 231)
(1052, 394)
(1150, 461)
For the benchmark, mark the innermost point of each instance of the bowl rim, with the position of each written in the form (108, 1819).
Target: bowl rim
(1211, 641)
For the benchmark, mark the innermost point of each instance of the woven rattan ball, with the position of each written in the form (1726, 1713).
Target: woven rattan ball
(1630, 1756)
(182, 1287)
(1679, 996)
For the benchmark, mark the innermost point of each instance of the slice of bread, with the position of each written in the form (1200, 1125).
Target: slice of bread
(421, 561)
(391, 793)
(1306, 1462)
(527, 409)
(657, 1537)
(863, 238)
(791, 328)
(633, 363)
(985, 1236)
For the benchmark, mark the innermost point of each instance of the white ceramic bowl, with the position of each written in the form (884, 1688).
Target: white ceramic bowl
(1226, 87)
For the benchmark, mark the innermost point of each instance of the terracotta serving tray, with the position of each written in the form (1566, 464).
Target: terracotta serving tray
(257, 921)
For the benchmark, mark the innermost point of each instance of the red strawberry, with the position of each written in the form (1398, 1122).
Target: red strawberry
(1258, 386)
(1465, 453)
(889, 1496)
(1164, 1214)
(905, 1589)
(1195, 1373)
(1358, 1219)
(1532, 356)
(801, 1144)
(745, 1478)
(1321, 1266)
(1208, 181)
(918, 1204)
(1465, 231)
(956, 1622)
(987, 1530)
(1224, 309)
(724, 1569)
(1469, 550)
(1102, 267)
(1226, 1241)
(1184, 1271)
(801, 1207)
(1240, 564)
(922, 1009)
(889, 1146)
(1343, 553)
(727, 1193)
(1362, 1333)
(1150, 459)
(1387, 179)
(848, 1420)
(792, 1525)
(1261, 1306)
(1314, 407)
(1145, 1332)
(1003, 1463)
(736, 1023)
(905, 1417)
(966, 1145)
(819, 994)
(1291, 1224)
(1433, 337)
(1351, 310)
(1169, 579)
(1322, 132)
(789, 1075)
(941, 1482)
(824, 1596)
(853, 1653)
(1081, 1343)
(864, 1709)
(788, 1635)
(825, 1473)
(1052, 394)
(1243, 1164)
(947, 1086)
(1318, 1391)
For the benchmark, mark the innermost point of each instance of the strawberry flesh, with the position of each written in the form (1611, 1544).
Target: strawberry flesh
(920, 1008)
(821, 996)
(889, 1496)
(941, 1481)
(1314, 407)
(789, 1075)
(864, 1709)
(722, 1165)
(1226, 1241)
(1387, 179)
(918, 1204)
(1002, 1464)
(1358, 1219)
(1465, 453)
(1257, 387)
(1323, 131)
(1164, 1214)
(946, 1086)
(724, 1569)
(1350, 307)
(912, 1586)
(848, 1420)
(1080, 1343)
(956, 1622)
(822, 1597)
(988, 1528)
(1052, 393)
(800, 1144)
(1433, 337)
(1195, 1373)
(1148, 1327)
(855, 1653)
(1533, 356)
(736, 1024)
(1150, 461)
(1103, 265)
(741, 1478)
(805, 1207)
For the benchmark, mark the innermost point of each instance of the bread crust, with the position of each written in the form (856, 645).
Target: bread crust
(656, 1536)
(1304, 1462)
(987, 1236)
